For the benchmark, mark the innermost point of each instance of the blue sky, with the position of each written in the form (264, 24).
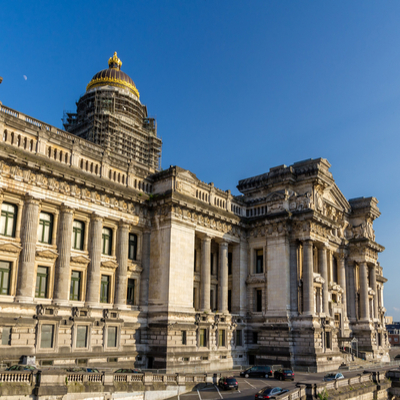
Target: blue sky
(237, 87)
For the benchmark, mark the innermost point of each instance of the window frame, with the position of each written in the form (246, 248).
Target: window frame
(53, 338)
(6, 215)
(259, 261)
(42, 225)
(42, 275)
(132, 244)
(108, 289)
(131, 302)
(221, 338)
(75, 231)
(106, 341)
(87, 340)
(104, 237)
(202, 337)
(72, 284)
(2, 272)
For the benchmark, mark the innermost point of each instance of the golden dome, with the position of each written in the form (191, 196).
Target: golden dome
(113, 76)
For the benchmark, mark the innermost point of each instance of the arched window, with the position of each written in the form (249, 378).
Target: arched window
(147, 187)
(91, 167)
(82, 163)
(197, 194)
(135, 184)
(19, 141)
(5, 136)
(31, 145)
(115, 176)
(87, 165)
(66, 158)
(109, 174)
(123, 179)
(25, 143)
(61, 156)
(119, 177)
(96, 170)
(49, 152)
(55, 154)
(12, 137)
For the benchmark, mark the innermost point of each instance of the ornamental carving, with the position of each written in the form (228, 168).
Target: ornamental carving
(257, 278)
(10, 247)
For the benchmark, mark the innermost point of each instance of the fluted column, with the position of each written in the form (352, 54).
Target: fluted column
(293, 277)
(26, 270)
(308, 278)
(93, 276)
(205, 273)
(351, 292)
(372, 271)
(122, 258)
(223, 277)
(145, 275)
(62, 271)
(342, 282)
(323, 267)
(364, 304)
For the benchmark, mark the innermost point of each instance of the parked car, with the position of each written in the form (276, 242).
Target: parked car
(127, 371)
(83, 370)
(228, 383)
(268, 392)
(21, 368)
(333, 376)
(283, 374)
(263, 371)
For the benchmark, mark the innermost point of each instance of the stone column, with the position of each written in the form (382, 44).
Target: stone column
(223, 277)
(293, 277)
(62, 270)
(342, 282)
(145, 275)
(205, 273)
(19, 219)
(93, 275)
(372, 271)
(351, 293)
(308, 278)
(323, 267)
(122, 258)
(26, 270)
(55, 227)
(364, 303)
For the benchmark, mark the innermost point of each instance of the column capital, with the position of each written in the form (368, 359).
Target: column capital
(66, 209)
(96, 217)
(29, 199)
(223, 244)
(123, 224)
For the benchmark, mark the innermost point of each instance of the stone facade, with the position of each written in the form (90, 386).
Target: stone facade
(105, 259)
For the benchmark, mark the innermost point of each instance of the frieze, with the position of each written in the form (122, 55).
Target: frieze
(257, 278)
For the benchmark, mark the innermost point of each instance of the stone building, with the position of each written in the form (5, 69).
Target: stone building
(104, 258)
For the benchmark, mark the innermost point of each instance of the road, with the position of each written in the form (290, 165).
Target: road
(248, 387)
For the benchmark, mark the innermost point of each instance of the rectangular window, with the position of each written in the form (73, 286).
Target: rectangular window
(212, 263)
(132, 246)
(104, 289)
(112, 336)
(46, 339)
(45, 228)
(255, 337)
(107, 241)
(75, 289)
(81, 336)
(8, 219)
(5, 272)
(238, 337)
(212, 300)
(328, 340)
(42, 283)
(259, 261)
(194, 298)
(221, 337)
(202, 338)
(78, 229)
(229, 263)
(130, 294)
(6, 336)
(195, 260)
(230, 300)
(184, 337)
(258, 300)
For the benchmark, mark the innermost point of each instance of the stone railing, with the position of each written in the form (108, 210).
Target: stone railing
(16, 377)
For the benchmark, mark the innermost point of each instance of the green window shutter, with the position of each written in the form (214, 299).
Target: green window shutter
(5, 268)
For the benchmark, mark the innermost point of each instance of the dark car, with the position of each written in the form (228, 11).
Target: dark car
(283, 374)
(333, 376)
(228, 383)
(83, 370)
(268, 392)
(21, 368)
(263, 371)
(127, 371)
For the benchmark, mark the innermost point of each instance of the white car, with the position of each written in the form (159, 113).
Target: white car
(333, 377)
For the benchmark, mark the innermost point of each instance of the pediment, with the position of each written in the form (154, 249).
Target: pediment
(109, 264)
(10, 247)
(187, 176)
(332, 195)
(47, 253)
(81, 259)
(277, 196)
